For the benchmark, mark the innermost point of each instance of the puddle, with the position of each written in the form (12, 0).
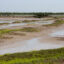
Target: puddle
(58, 33)
(12, 25)
(44, 22)
(29, 45)
(21, 24)
(1, 21)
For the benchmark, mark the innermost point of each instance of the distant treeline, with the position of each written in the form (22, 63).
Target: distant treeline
(39, 14)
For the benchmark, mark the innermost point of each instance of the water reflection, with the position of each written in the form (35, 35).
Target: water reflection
(59, 33)
(21, 24)
(29, 45)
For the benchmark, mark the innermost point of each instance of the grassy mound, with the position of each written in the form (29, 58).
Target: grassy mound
(12, 31)
(28, 29)
(55, 56)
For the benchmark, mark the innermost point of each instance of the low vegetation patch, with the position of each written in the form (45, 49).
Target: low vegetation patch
(30, 29)
(26, 29)
(54, 56)
(28, 21)
(17, 22)
(25, 21)
(4, 23)
(17, 33)
(14, 31)
(56, 23)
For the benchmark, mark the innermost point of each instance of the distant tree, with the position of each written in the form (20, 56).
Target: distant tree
(40, 15)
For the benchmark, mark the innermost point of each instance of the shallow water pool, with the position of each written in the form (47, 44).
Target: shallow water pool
(22, 24)
(29, 45)
(59, 33)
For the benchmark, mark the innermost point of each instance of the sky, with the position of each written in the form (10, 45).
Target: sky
(31, 5)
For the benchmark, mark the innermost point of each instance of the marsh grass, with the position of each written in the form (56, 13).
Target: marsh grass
(53, 56)
(56, 23)
(28, 21)
(25, 29)
(25, 21)
(17, 33)
(17, 22)
(14, 31)
(4, 23)
(30, 29)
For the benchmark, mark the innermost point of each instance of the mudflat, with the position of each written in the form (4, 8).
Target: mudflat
(22, 41)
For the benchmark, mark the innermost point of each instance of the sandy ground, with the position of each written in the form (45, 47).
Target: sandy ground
(44, 37)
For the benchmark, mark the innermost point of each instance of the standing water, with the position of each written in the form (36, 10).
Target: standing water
(59, 33)
(29, 45)
(21, 24)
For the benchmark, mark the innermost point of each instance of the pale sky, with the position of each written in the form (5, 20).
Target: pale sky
(31, 5)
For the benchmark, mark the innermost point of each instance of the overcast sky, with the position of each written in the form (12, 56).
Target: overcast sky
(31, 5)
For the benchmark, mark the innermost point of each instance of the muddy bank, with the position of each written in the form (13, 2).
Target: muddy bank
(11, 24)
(29, 45)
(32, 40)
(20, 18)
